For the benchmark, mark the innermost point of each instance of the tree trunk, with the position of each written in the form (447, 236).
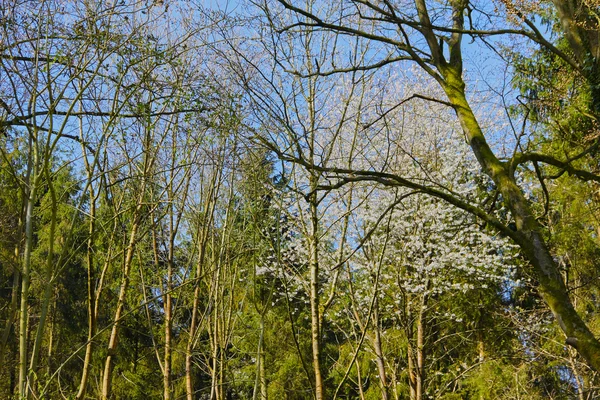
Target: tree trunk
(314, 293)
(12, 313)
(169, 309)
(49, 272)
(359, 381)
(216, 328)
(416, 351)
(261, 369)
(529, 233)
(114, 333)
(168, 332)
(260, 384)
(91, 305)
(379, 360)
(189, 382)
(420, 370)
(203, 235)
(25, 282)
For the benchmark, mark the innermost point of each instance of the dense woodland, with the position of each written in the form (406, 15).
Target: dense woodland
(277, 199)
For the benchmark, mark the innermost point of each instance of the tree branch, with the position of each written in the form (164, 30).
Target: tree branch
(522, 158)
(346, 175)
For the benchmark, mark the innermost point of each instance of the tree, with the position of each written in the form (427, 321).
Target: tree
(431, 36)
(318, 122)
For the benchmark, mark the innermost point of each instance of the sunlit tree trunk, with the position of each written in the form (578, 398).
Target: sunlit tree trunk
(260, 384)
(137, 217)
(379, 359)
(48, 276)
(169, 315)
(223, 293)
(33, 182)
(91, 306)
(315, 316)
(416, 325)
(177, 195)
(114, 333)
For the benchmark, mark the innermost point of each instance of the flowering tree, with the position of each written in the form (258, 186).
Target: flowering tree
(423, 251)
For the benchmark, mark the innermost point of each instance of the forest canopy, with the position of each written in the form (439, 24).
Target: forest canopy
(273, 199)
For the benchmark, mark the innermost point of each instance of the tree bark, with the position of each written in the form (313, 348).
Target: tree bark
(168, 324)
(416, 351)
